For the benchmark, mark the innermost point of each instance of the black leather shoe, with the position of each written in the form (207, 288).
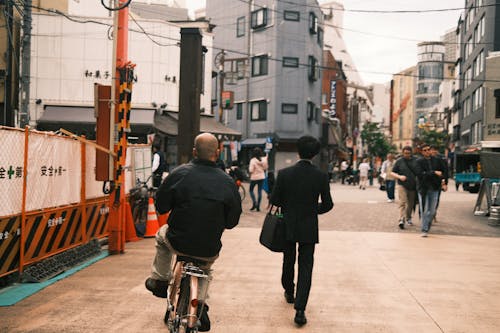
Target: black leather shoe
(300, 317)
(204, 319)
(289, 298)
(157, 287)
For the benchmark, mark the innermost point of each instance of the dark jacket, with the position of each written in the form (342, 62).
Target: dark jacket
(297, 190)
(427, 180)
(162, 167)
(203, 201)
(406, 168)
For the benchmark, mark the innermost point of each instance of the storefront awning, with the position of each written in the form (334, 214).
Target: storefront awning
(168, 122)
(80, 119)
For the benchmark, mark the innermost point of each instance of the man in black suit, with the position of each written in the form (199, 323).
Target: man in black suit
(297, 190)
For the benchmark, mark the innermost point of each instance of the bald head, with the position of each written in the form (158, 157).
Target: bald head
(206, 147)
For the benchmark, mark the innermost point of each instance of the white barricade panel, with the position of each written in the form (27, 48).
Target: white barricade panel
(11, 171)
(54, 172)
(93, 188)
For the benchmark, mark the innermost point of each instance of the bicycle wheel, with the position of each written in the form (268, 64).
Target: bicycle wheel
(182, 307)
(242, 192)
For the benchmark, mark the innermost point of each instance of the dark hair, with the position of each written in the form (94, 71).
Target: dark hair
(156, 146)
(308, 146)
(407, 148)
(257, 153)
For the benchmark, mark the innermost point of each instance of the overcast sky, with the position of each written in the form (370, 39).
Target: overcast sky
(387, 55)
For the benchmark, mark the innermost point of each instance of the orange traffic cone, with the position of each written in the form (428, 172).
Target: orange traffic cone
(152, 225)
(130, 234)
(162, 219)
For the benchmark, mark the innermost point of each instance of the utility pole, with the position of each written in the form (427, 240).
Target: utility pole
(121, 93)
(247, 113)
(7, 112)
(220, 59)
(189, 92)
(24, 114)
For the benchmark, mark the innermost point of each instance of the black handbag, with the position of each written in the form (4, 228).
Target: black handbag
(273, 235)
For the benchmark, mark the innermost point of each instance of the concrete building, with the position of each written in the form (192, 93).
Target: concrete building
(403, 107)
(270, 52)
(479, 36)
(492, 100)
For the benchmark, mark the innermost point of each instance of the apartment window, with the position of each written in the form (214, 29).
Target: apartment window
(290, 62)
(259, 18)
(312, 68)
(313, 23)
(320, 36)
(289, 108)
(239, 111)
(240, 69)
(259, 65)
(240, 26)
(310, 111)
(258, 110)
(496, 93)
(481, 27)
(466, 107)
(476, 130)
(290, 15)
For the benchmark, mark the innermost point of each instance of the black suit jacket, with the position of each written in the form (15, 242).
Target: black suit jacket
(297, 190)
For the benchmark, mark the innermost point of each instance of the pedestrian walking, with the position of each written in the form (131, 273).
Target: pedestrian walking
(158, 166)
(296, 191)
(364, 169)
(257, 169)
(390, 182)
(444, 181)
(344, 166)
(430, 175)
(404, 172)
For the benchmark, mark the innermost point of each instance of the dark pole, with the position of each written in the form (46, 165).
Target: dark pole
(24, 118)
(189, 93)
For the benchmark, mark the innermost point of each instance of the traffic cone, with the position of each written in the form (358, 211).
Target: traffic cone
(130, 233)
(152, 225)
(162, 219)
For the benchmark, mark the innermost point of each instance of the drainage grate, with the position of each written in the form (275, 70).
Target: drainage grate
(55, 265)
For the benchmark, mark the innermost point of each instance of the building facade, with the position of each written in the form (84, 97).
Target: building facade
(271, 53)
(403, 107)
(479, 36)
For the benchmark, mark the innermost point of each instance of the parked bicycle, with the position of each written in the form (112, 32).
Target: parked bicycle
(184, 309)
(139, 200)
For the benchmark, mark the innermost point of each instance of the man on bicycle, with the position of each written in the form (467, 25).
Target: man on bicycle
(203, 201)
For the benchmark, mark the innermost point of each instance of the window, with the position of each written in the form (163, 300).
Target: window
(259, 65)
(239, 111)
(290, 62)
(313, 23)
(290, 15)
(240, 26)
(320, 36)
(289, 108)
(240, 69)
(259, 18)
(476, 130)
(481, 27)
(258, 110)
(312, 69)
(310, 111)
(496, 93)
(466, 107)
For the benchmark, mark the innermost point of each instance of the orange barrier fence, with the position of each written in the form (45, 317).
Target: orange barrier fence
(29, 232)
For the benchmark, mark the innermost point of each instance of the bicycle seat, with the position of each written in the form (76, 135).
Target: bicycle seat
(194, 261)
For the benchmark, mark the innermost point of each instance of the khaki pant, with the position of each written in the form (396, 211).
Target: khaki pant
(165, 259)
(407, 199)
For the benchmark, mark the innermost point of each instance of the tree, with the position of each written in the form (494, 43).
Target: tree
(375, 141)
(435, 138)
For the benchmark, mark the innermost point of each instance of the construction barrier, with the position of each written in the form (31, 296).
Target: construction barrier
(51, 201)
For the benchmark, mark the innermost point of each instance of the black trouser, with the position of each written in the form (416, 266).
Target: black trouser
(306, 261)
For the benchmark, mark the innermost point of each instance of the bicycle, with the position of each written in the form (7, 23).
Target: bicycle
(184, 310)
(139, 200)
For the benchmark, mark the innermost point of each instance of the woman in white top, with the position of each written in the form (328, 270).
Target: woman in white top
(257, 170)
(363, 173)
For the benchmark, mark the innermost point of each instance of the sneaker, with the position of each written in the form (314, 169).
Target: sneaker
(157, 287)
(409, 222)
(390, 200)
(424, 234)
(401, 224)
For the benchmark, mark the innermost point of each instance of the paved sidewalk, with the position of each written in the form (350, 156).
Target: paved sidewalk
(362, 282)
